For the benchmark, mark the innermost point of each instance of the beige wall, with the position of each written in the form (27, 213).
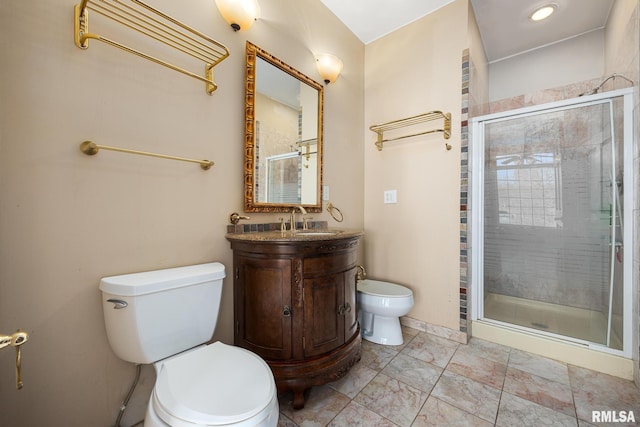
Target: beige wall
(66, 219)
(415, 242)
(576, 59)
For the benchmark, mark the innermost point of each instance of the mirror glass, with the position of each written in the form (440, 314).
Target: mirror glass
(283, 136)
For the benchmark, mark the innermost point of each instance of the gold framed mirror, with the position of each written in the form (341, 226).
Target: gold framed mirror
(283, 136)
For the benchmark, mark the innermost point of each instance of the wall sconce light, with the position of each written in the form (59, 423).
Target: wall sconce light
(240, 14)
(329, 67)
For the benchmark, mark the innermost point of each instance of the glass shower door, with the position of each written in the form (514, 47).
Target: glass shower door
(552, 222)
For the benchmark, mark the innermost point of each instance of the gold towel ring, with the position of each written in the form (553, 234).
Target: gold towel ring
(332, 211)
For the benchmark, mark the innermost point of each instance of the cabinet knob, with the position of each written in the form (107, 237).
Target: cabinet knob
(343, 309)
(286, 311)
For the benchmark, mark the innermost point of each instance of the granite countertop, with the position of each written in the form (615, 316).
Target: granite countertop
(295, 236)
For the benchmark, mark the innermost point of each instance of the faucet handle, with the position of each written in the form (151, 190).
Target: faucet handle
(305, 222)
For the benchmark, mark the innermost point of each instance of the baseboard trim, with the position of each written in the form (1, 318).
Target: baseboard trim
(437, 330)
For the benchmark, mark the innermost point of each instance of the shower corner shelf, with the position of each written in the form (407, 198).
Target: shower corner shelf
(409, 121)
(140, 17)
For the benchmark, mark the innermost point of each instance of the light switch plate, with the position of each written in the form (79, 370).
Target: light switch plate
(390, 196)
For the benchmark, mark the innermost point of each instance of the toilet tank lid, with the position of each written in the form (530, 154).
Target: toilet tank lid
(160, 280)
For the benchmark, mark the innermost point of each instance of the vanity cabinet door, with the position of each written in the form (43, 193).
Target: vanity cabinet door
(323, 326)
(329, 301)
(350, 312)
(263, 306)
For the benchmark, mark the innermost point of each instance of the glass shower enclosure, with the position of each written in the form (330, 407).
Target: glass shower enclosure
(549, 219)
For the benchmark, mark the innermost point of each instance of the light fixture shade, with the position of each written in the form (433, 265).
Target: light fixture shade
(240, 14)
(329, 67)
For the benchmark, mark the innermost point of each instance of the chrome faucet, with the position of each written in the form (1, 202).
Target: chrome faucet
(292, 222)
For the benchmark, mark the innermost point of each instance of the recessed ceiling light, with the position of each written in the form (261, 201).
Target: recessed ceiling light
(543, 12)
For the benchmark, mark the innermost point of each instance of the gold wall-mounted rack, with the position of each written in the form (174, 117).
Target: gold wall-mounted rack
(140, 17)
(307, 148)
(421, 118)
(90, 148)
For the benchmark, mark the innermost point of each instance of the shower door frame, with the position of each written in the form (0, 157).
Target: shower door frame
(476, 175)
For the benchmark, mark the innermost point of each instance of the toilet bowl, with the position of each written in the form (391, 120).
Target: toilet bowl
(213, 385)
(380, 305)
(164, 317)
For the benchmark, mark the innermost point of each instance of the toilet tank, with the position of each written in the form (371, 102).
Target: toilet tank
(155, 314)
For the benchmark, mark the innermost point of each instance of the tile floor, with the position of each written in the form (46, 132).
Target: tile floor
(432, 381)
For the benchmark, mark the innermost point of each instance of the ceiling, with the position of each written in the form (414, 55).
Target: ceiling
(504, 25)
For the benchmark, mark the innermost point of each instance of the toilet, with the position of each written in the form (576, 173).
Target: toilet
(164, 317)
(381, 304)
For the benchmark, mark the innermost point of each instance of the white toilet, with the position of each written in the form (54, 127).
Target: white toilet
(380, 306)
(163, 317)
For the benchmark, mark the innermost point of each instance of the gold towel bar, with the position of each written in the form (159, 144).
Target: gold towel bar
(140, 17)
(421, 118)
(90, 148)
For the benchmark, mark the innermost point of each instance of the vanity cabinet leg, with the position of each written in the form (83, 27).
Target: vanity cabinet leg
(298, 399)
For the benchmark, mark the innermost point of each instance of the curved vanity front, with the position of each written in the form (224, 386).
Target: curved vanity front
(295, 304)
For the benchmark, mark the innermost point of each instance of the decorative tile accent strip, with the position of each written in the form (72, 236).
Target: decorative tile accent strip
(271, 226)
(464, 175)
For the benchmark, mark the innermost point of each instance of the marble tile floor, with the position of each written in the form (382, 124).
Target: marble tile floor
(432, 381)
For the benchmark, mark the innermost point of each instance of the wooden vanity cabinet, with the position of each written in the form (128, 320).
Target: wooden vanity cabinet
(295, 306)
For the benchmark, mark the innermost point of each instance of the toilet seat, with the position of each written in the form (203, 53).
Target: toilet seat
(230, 382)
(383, 289)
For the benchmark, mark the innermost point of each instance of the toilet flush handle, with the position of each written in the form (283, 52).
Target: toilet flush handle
(117, 303)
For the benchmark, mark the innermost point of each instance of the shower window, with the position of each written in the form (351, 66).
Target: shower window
(528, 189)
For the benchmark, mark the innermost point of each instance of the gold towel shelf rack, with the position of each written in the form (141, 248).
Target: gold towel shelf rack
(91, 148)
(409, 121)
(140, 17)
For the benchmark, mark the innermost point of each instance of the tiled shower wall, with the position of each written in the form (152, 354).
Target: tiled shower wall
(566, 265)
